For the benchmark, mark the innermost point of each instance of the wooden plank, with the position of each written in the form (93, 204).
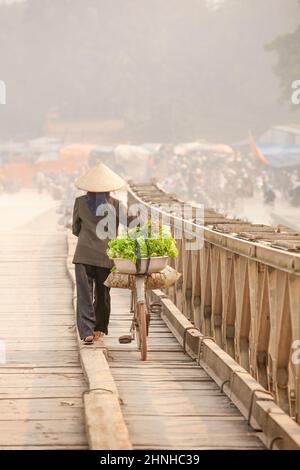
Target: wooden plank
(41, 383)
(38, 331)
(164, 404)
(41, 380)
(27, 310)
(45, 321)
(44, 432)
(40, 370)
(188, 431)
(38, 346)
(41, 392)
(105, 425)
(41, 409)
(117, 356)
(155, 367)
(173, 373)
(199, 386)
(47, 447)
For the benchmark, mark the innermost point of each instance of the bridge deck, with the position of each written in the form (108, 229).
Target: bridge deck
(41, 381)
(169, 401)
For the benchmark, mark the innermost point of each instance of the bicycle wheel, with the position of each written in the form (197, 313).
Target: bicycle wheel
(142, 330)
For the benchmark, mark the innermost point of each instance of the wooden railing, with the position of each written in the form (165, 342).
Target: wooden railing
(242, 287)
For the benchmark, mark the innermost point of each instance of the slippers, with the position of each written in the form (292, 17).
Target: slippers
(98, 335)
(88, 340)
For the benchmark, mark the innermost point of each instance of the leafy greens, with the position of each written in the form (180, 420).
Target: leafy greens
(158, 238)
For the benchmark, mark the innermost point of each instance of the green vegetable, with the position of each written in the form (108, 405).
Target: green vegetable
(159, 239)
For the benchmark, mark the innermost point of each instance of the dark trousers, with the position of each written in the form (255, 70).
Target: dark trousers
(93, 299)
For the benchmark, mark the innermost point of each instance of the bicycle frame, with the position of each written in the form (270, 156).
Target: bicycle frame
(138, 296)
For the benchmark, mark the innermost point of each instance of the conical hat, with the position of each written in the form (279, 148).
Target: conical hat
(100, 178)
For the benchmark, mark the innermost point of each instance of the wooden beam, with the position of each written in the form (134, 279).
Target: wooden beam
(105, 425)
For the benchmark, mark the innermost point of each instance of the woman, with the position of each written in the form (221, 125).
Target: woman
(92, 265)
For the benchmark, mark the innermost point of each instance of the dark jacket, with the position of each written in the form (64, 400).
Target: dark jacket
(90, 248)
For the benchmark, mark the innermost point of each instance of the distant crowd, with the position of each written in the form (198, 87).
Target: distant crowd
(217, 179)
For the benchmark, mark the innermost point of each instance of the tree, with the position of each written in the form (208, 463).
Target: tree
(287, 47)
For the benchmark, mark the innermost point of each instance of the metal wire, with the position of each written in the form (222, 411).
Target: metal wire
(100, 389)
(200, 346)
(224, 383)
(261, 399)
(278, 438)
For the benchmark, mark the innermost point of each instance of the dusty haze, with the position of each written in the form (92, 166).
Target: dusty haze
(167, 70)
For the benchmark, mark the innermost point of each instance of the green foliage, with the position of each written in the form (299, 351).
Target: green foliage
(121, 247)
(158, 238)
(288, 59)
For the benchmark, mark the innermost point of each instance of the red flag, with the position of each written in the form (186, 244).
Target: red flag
(256, 150)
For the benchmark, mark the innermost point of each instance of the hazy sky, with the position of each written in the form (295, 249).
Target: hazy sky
(166, 69)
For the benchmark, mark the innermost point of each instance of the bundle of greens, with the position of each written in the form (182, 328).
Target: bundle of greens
(158, 238)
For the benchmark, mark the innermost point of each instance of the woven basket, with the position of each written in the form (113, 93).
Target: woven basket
(162, 280)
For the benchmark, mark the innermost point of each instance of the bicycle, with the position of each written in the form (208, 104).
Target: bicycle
(140, 302)
(139, 307)
(141, 314)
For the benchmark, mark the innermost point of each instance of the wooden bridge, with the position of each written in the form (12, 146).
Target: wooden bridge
(222, 372)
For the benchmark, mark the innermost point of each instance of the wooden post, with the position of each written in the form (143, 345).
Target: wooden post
(243, 311)
(196, 287)
(206, 290)
(294, 295)
(263, 334)
(283, 357)
(229, 303)
(216, 295)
